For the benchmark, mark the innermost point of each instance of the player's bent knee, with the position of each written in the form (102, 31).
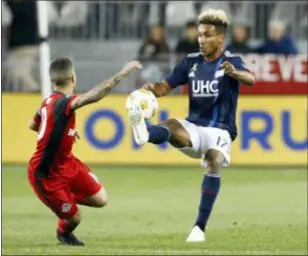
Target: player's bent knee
(214, 166)
(179, 136)
(215, 160)
(100, 199)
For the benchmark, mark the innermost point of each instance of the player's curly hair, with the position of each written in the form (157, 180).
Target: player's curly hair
(218, 18)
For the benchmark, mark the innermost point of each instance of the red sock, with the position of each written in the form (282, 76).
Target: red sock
(66, 227)
(78, 199)
(63, 227)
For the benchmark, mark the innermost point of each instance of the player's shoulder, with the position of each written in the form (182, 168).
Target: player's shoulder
(47, 101)
(195, 55)
(231, 56)
(193, 58)
(55, 99)
(60, 97)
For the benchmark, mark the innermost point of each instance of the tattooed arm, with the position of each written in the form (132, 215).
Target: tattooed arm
(97, 93)
(104, 88)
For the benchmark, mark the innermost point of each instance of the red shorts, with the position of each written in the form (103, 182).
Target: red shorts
(61, 193)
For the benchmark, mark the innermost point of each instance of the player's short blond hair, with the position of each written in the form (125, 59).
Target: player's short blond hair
(61, 71)
(215, 17)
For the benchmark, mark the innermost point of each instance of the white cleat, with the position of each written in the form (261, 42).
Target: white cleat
(196, 235)
(140, 130)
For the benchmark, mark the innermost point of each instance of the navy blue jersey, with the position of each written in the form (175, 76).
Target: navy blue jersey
(212, 93)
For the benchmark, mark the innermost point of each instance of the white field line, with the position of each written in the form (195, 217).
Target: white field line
(211, 252)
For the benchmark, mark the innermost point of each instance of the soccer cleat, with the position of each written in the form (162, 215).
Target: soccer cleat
(196, 235)
(68, 239)
(140, 131)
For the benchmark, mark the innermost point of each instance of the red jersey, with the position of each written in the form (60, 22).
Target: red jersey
(55, 138)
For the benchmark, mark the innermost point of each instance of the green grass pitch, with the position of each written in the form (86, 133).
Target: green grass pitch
(151, 210)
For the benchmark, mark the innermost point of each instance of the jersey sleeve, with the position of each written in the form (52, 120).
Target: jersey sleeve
(68, 109)
(239, 64)
(179, 75)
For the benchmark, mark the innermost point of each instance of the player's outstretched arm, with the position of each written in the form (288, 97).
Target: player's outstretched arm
(159, 89)
(104, 88)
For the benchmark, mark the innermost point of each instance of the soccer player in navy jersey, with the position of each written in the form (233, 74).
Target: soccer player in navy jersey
(213, 76)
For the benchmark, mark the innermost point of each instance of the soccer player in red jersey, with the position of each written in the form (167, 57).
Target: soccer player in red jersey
(58, 178)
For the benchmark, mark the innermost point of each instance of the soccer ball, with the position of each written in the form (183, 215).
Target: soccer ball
(146, 100)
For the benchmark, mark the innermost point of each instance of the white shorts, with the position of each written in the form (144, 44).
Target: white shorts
(205, 138)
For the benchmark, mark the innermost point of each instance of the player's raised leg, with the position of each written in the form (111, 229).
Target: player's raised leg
(141, 132)
(170, 131)
(139, 128)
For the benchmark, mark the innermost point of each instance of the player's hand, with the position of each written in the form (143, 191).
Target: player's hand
(149, 86)
(228, 68)
(129, 67)
(76, 137)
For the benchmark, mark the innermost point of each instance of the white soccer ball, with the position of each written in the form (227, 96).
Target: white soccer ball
(146, 100)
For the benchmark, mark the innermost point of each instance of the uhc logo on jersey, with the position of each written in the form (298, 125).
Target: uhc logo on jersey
(202, 88)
